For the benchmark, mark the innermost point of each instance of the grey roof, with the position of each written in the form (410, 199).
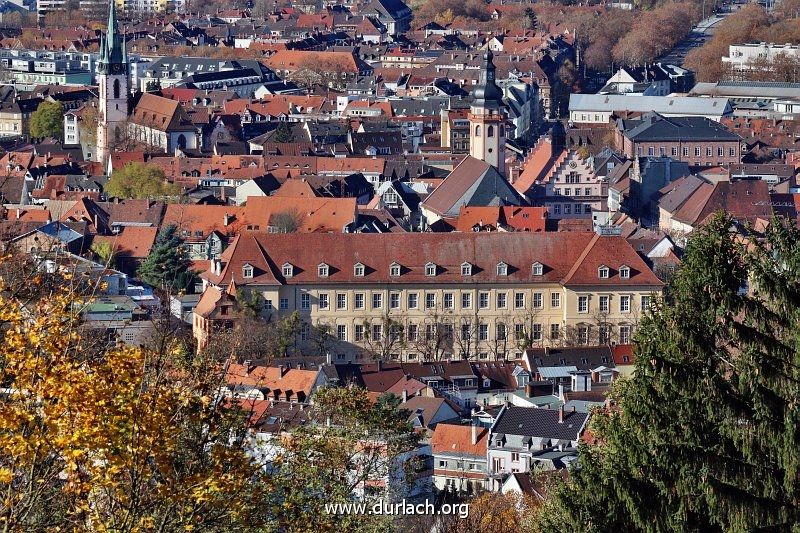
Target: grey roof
(655, 127)
(748, 89)
(676, 193)
(472, 183)
(539, 423)
(418, 106)
(670, 105)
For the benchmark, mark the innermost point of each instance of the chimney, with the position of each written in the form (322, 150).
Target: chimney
(226, 219)
(19, 213)
(561, 393)
(405, 395)
(282, 370)
(248, 366)
(474, 434)
(561, 415)
(380, 365)
(328, 358)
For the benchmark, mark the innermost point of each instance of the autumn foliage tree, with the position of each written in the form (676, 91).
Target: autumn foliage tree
(129, 439)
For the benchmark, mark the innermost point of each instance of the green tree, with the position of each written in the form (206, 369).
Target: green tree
(167, 266)
(704, 436)
(104, 252)
(283, 133)
(531, 22)
(48, 121)
(137, 180)
(355, 445)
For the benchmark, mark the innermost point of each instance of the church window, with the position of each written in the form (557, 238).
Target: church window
(116, 89)
(477, 131)
(490, 131)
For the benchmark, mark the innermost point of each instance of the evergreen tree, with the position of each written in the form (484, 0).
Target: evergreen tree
(531, 22)
(167, 266)
(704, 436)
(283, 133)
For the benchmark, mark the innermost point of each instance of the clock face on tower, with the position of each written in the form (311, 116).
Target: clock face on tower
(116, 69)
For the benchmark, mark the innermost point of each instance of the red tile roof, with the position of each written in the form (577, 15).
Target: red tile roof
(571, 258)
(452, 439)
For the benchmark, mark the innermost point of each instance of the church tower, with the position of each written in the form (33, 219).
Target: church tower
(486, 119)
(114, 82)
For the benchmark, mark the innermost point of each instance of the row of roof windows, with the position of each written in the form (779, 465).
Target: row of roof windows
(431, 269)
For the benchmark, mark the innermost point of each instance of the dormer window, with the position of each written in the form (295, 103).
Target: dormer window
(288, 270)
(502, 269)
(537, 269)
(602, 272)
(358, 270)
(247, 271)
(466, 269)
(394, 270)
(323, 270)
(430, 269)
(624, 272)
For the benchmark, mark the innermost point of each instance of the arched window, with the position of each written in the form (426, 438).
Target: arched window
(478, 131)
(181, 141)
(490, 131)
(116, 89)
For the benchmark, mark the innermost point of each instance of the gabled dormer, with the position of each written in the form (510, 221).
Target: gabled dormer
(603, 272)
(288, 270)
(624, 272)
(537, 269)
(247, 271)
(502, 269)
(466, 268)
(359, 269)
(395, 270)
(431, 269)
(323, 270)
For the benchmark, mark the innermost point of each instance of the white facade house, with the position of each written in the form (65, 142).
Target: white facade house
(742, 57)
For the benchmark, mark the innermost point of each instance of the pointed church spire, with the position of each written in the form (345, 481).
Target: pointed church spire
(112, 49)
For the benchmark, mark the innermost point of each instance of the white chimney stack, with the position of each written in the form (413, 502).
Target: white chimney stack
(474, 434)
(405, 395)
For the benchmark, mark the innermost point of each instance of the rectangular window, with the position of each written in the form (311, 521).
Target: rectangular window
(583, 304)
(519, 331)
(555, 332)
(567, 209)
(341, 301)
(536, 332)
(377, 301)
(413, 300)
(583, 334)
(466, 332)
(305, 301)
(483, 332)
(555, 300)
(519, 300)
(394, 300)
(430, 300)
(448, 300)
(624, 304)
(686, 151)
(359, 300)
(466, 300)
(359, 333)
(720, 151)
(602, 334)
(697, 151)
(284, 303)
(323, 301)
(377, 332)
(412, 332)
(537, 300)
(501, 300)
(624, 334)
(604, 304)
(732, 152)
(501, 331)
(587, 191)
(709, 151)
(557, 209)
(645, 302)
(674, 151)
(341, 332)
(483, 300)
(650, 150)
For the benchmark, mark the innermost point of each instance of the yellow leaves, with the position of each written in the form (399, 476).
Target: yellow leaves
(6, 475)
